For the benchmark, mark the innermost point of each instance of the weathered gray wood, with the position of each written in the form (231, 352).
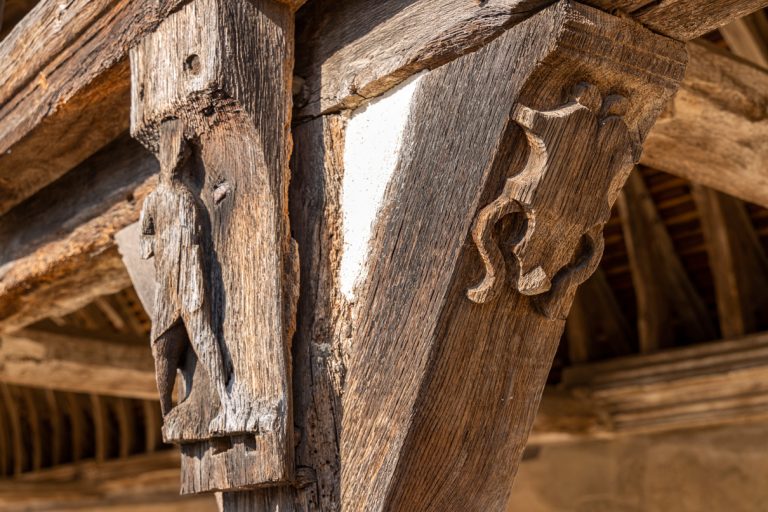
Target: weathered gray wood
(738, 262)
(596, 325)
(715, 130)
(78, 361)
(668, 306)
(211, 97)
(440, 391)
(57, 251)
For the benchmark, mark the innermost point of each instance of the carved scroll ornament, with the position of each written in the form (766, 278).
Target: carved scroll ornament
(582, 144)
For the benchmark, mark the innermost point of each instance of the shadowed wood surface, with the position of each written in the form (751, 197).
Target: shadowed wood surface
(668, 304)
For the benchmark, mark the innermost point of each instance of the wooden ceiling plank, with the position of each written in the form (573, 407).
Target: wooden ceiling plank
(77, 426)
(12, 411)
(35, 431)
(668, 304)
(57, 428)
(102, 435)
(682, 19)
(738, 262)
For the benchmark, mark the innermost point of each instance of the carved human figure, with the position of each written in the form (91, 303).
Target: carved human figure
(172, 232)
(563, 242)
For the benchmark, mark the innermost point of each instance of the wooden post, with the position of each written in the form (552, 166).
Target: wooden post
(211, 96)
(443, 231)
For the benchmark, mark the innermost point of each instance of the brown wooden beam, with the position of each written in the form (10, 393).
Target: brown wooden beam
(442, 385)
(681, 19)
(143, 483)
(82, 362)
(57, 249)
(738, 262)
(715, 131)
(748, 38)
(698, 386)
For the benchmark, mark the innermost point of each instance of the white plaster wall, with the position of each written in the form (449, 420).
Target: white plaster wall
(372, 148)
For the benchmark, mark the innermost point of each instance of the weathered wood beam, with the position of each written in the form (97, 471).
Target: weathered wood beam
(57, 249)
(444, 377)
(143, 483)
(351, 51)
(715, 130)
(211, 97)
(681, 19)
(668, 306)
(82, 362)
(12, 13)
(66, 88)
(746, 37)
(738, 262)
(702, 385)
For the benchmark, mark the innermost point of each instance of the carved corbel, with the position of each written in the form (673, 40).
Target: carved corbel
(211, 95)
(561, 242)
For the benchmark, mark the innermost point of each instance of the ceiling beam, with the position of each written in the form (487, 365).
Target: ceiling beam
(681, 19)
(57, 251)
(746, 37)
(78, 361)
(715, 130)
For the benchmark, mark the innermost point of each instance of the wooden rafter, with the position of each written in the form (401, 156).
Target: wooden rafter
(747, 37)
(595, 321)
(738, 262)
(668, 305)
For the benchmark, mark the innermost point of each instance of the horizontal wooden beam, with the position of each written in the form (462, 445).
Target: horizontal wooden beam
(715, 130)
(702, 385)
(57, 249)
(66, 87)
(143, 483)
(681, 19)
(78, 361)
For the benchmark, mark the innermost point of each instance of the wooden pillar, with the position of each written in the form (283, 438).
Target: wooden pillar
(211, 97)
(443, 230)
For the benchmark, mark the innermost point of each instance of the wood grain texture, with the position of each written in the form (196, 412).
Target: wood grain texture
(668, 305)
(139, 483)
(66, 87)
(681, 19)
(715, 130)
(222, 70)
(702, 385)
(441, 392)
(738, 262)
(78, 361)
(57, 251)
(353, 50)
(747, 37)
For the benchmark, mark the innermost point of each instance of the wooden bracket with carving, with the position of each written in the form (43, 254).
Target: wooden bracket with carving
(211, 96)
(561, 239)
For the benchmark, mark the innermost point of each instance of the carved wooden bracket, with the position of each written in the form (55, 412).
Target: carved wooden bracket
(561, 242)
(211, 98)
